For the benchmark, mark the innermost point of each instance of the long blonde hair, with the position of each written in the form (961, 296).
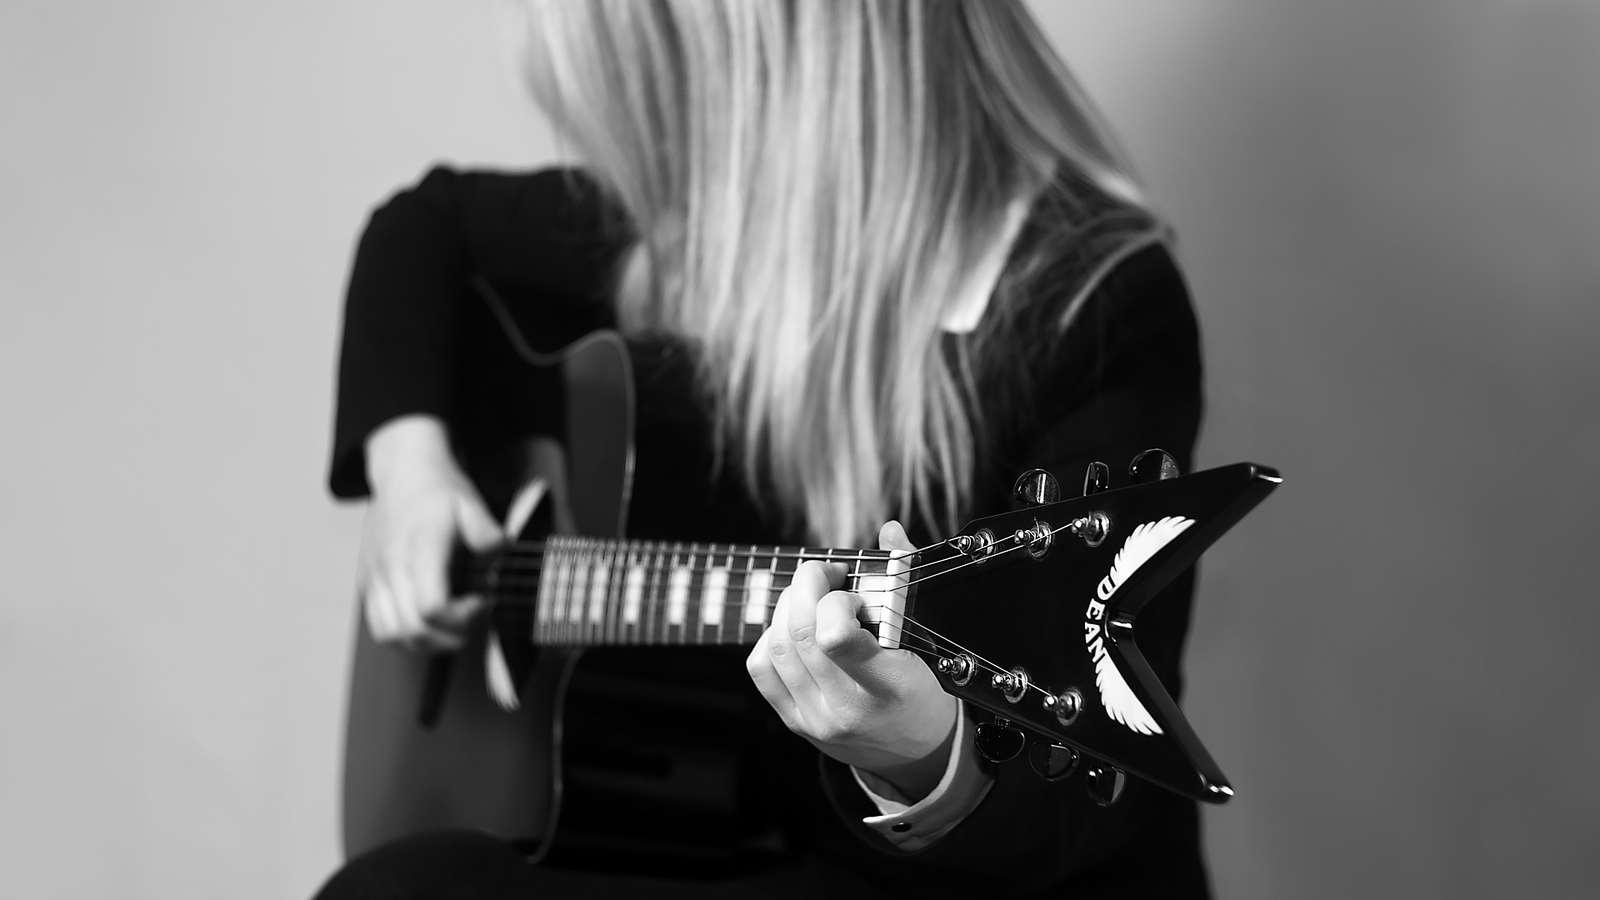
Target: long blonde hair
(808, 183)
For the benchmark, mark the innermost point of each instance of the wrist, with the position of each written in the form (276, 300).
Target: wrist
(918, 777)
(405, 450)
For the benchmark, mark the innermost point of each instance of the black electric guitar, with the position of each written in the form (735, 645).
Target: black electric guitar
(568, 724)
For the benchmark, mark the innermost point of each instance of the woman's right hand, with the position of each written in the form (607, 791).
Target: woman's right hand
(421, 505)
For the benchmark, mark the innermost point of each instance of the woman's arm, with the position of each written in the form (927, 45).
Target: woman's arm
(1123, 378)
(532, 236)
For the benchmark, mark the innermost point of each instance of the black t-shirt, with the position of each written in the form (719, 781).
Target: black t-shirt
(1061, 387)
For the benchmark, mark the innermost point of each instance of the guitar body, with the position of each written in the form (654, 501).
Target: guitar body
(627, 760)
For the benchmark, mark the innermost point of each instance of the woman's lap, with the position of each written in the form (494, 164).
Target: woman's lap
(466, 865)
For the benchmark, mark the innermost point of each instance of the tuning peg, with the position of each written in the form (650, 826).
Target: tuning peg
(1096, 478)
(1105, 783)
(1152, 465)
(1052, 761)
(1066, 705)
(957, 668)
(1036, 487)
(999, 740)
(1013, 685)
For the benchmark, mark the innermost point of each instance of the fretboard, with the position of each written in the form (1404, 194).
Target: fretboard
(576, 591)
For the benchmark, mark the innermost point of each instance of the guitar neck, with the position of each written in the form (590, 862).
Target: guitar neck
(577, 591)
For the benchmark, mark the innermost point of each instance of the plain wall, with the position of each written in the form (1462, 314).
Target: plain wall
(1390, 215)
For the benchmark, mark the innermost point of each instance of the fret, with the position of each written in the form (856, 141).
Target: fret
(604, 575)
(852, 581)
(620, 560)
(594, 591)
(542, 604)
(742, 592)
(582, 578)
(563, 592)
(783, 571)
(594, 609)
(612, 591)
(654, 593)
(883, 595)
(579, 591)
(599, 582)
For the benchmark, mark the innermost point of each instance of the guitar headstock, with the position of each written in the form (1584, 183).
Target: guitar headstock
(1032, 616)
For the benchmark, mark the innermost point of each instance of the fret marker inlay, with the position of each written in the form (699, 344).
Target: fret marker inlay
(712, 595)
(758, 591)
(632, 594)
(578, 590)
(678, 595)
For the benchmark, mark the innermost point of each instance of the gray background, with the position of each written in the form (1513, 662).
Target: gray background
(1390, 212)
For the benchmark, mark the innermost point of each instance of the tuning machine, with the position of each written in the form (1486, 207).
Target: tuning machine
(1001, 741)
(1036, 487)
(1093, 527)
(978, 546)
(1154, 464)
(1104, 783)
(1096, 478)
(1065, 706)
(1013, 685)
(958, 668)
(1052, 761)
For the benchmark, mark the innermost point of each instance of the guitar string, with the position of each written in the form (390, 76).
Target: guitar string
(915, 581)
(931, 637)
(698, 568)
(932, 641)
(693, 570)
(525, 565)
(533, 556)
(907, 620)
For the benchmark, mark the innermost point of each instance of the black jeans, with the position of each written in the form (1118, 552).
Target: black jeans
(466, 865)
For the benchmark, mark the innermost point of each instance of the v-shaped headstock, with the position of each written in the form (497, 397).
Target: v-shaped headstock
(1033, 616)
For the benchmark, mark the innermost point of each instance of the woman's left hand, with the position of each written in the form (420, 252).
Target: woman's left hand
(879, 710)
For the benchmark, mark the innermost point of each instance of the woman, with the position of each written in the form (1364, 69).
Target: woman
(906, 262)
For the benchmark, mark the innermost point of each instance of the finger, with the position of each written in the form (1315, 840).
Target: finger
(426, 572)
(767, 681)
(479, 531)
(784, 654)
(413, 630)
(438, 639)
(379, 609)
(831, 573)
(408, 616)
(804, 630)
(457, 613)
(851, 648)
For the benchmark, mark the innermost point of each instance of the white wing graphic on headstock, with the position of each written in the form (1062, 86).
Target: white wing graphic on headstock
(1116, 696)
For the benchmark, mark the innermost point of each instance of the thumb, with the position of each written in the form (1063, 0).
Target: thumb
(892, 536)
(478, 529)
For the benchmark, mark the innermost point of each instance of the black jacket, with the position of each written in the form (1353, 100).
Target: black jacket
(1123, 376)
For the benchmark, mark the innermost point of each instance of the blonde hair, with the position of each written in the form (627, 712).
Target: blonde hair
(808, 183)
